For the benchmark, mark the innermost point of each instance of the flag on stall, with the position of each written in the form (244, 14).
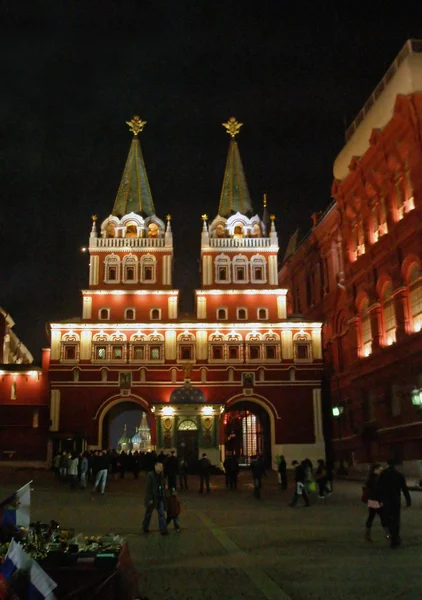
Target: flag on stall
(15, 510)
(41, 586)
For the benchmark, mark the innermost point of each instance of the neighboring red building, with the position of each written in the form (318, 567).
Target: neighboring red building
(237, 376)
(24, 398)
(359, 271)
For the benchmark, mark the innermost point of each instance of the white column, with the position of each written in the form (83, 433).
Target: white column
(202, 345)
(316, 343)
(172, 307)
(87, 307)
(201, 307)
(286, 344)
(55, 344)
(94, 268)
(167, 269)
(207, 269)
(272, 270)
(319, 436)
(55, 410)
(86, 337)
(170, 345)
(281, 307)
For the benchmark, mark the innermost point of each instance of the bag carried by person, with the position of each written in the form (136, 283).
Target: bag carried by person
(312, 486)
(364, 497)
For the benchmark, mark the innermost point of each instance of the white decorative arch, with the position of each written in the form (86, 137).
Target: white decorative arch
(301, 336)
(254, 336)
(187, 425)
(234, 336)
(271, 337)
(132, 218)
(101, 337)
(218, 227)
(110, 223)
(156, 337)
(111, 261)
(70, 336)
(118, 337)
(138, 337)
(186, 337)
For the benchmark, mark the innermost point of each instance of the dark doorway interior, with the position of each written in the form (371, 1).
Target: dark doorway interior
(247, 431)
(187, 448)
(126, 413)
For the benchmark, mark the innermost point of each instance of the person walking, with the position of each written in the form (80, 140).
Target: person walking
(321, 480)
(258, 471)
(374, 506)
(170, 470)
(84, 470)
(204, 473)
(101, 464)
(56, 464)
(173, 510)
(73, 470)
(389, 487)
(183, 475)
(233, 471)
(282, 471)
(300, 489)
(64, 465)
(155, 499)
(226, 466)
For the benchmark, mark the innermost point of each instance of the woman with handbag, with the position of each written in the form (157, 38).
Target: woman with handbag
(374, 507)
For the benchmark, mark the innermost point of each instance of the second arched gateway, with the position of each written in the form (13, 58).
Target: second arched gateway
(239, 375)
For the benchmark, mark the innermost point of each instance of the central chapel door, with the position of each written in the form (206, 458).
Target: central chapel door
(187, 448)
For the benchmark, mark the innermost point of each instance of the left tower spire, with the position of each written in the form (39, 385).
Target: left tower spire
(134, 193)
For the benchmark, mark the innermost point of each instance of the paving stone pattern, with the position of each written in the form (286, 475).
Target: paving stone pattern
(233, 546)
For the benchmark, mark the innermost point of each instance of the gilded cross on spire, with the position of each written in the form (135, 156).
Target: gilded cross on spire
(232, 126)
(136, 125)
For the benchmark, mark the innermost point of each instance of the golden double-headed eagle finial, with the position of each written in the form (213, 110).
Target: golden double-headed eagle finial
(168, 217)
(94, 217)
(136, 125)
(204, 217)
(232, 127)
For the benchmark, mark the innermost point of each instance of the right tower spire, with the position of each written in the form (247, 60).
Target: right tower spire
(235, 197)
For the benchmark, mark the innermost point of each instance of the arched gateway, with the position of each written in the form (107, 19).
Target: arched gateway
(129, 415)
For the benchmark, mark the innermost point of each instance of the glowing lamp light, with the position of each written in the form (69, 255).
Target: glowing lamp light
(168, 411)
(207, 410)
(83, 249)
(390, 341)
(32, 373)
(337, 411)
(417, 398)
(418, 326)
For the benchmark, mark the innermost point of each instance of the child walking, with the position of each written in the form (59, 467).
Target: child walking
(173, 510)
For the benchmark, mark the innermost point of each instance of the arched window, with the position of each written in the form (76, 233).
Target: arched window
(302, 347)
(112, 269)
(262, 314)
(130, 314)
(155, 314)
(222, 269)
(148, 269)
(389, 314)
(222, 314)
(258, 269)
(240, 269)
(104, 314)
(366, 330)
(130, 269)
(242, 314)
(249, 437)
(415, 296)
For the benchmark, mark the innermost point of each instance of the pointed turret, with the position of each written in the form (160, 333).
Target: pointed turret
(134, 194)
(235, 197)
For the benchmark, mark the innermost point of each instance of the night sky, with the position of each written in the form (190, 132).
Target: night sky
(73, 72)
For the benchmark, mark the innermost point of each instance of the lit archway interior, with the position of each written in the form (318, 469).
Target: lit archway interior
(247, 431)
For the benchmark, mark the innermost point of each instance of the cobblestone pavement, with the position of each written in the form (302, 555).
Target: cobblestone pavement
(233, 546)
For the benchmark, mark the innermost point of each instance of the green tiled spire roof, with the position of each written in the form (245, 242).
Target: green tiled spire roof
(235, 195)
(134, 193)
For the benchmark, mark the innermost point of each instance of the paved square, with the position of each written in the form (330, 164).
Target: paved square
(234, 546)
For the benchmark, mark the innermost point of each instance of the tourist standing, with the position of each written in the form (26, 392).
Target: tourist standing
(84, 470)
(258, 470)
(56, 464)
(183, 474)
(173, 510)
(101, 464)
(73, 470)
(321, 479)
(155, 499)
(233, 471)
(374, 506)
(64, 465)
(300, 489)
(204, 473)
(389, 487)
(170, 470)
(282, 471)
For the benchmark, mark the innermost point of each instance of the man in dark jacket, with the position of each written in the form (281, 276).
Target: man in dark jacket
(282, 469)
(155, 499)
(388, 490)
(171, 467)
(204, 473)
(300, 489)
(258, 470)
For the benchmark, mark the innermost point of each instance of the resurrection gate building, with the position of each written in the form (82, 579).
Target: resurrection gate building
(237, 376)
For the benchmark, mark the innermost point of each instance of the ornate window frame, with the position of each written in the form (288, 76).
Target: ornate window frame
(226, 313)
(222, 261)
(302, 339)
(240, 262)
(70, 340)
(258, 262)
(216, 340)
(156, 340)
(99, 341)
(130, 261)
(112, 261)
(186, 340)
(238, 317)
(138, 340)
(258, 316)
(148, 261)
(152, 313)
(271, 340)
